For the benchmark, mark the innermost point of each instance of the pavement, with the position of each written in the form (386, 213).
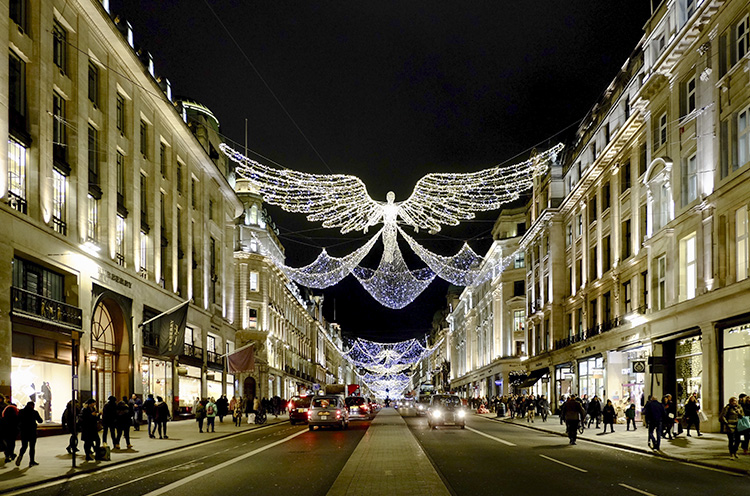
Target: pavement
(55, 463)
(710, 449)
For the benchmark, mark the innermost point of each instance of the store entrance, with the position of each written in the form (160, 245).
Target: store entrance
(109, 341)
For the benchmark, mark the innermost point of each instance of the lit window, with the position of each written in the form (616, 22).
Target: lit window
(518, 260)
(662, 138)
(661, 272)
(59, 199)
(743, 136)
(690, 179)
(253, 281)
(143, 249)
(519, 317)
(92, 226)
(688, 269)
(742, 37)
(59, 46)
(120, 240)
(743, 252)
(17, 175)
(690, 95)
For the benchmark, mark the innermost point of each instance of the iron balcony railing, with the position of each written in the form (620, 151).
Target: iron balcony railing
(214, 358)
(35, 305)
(193, 351)
(589, 333)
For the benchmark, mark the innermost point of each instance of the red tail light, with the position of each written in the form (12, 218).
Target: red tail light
(364, 407)
(290, 405)
(338, 414)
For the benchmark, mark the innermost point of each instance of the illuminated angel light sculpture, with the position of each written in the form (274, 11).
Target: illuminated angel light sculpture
(341, 201)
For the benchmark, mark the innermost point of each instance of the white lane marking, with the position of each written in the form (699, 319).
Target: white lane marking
(133, 462)
(563, 463)
(220, 466)
(636, 490)
(691, 464)
(507, 443)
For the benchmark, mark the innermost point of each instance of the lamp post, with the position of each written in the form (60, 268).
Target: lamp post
(93, 358)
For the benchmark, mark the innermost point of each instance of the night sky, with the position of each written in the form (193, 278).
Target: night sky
(388, 91)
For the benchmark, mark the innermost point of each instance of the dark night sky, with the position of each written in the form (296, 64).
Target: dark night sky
(388, 91)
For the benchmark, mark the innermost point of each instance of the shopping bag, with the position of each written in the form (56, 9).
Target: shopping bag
(743, 423)
(703, 416)
(251, 418)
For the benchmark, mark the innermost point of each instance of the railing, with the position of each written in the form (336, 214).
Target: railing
(17, 202)
(193, 351)
(589, 333)
(59, 226)
(151, 339)
(28, 303)
(215, 358)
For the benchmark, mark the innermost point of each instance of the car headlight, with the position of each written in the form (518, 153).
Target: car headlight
(436, 413)
(461, 414)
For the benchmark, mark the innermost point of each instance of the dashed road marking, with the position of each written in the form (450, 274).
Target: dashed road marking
(507, 443)
(563, 463)
(636, 490)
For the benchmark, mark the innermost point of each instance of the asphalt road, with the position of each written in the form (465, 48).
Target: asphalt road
(490, 457)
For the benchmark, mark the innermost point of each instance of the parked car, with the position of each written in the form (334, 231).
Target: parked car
(298, 407)
(327, 411)
(423, 403)
(446, 409)
(359, 408)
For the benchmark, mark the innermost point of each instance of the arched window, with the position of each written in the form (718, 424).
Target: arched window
(102, 329)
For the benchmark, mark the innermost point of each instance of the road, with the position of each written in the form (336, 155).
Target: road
(487, 457)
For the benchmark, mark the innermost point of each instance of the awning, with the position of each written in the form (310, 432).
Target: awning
(533, 376)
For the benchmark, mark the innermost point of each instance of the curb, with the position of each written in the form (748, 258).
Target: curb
(96, 468)
(629, 447)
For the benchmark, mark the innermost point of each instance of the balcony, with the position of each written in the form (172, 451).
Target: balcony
(589, 333)
(193, 351)
(37, 307)
(215, 359)
(16, 202)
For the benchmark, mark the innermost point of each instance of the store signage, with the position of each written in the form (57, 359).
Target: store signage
(105, 274)
(639, 367)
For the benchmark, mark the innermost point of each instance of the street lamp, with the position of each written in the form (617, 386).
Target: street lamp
(93, 358)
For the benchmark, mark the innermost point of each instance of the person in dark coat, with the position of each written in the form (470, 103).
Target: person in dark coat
(3, 404)
(162, 417)
(69, 417)
(136, 406)
(594, 410)
(655, 418)
(692, 419)
(28, 418)
(609, 415)
(222, 405)
(574, 414)
(149, 407)
(109, 419)
(124, 419)
(200, 414)
(10, 431)
(90, 429)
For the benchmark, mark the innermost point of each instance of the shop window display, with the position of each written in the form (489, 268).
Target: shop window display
(689, 368)
(190, 388)
(591, 377)
(736, 360)
(46, 384)
(157, 378)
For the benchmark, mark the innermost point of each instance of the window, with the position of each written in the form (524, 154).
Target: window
(592, 264)
(593, 313)
(252, 318)
(579, 273)
(18, 12)
(163, 214)
(743, 253)
(143, 249)
(519, 288)
(93, 156)
(144, 139)
(606, 193)
(580, 320)
(643, 223)
(644, 289)
(179, 177)
(689, 8)
(144, 199)
(17, 92)
(579, 225)
(742, 38)
(627, 297)
(625, 180)
(120, 115)
(210, 209)
(92, 225)
(120, 179)
(661, 274)
(120, 240)
(607, 306)
(59, 201)
(627, 241)
(254, 281)
(17, 175)
(59, 46)
(519, 317)
(194, 191)
(59, 135)
(93, 84)
(689, 179)
(163, 159)
(211, 343)
(642, 160)
(743, 137)
(569, 235)
(518, 260)
(592, 209)
(606, 254)
(661, 137)
(690, 87)
(571, 279)
(688, 268)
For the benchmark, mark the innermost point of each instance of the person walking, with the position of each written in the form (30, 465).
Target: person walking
(237, 414)
(543, 407)
(136, 406)
(594, 411)
(728, 417)
(692, 418)
(28, 418)
(574, 414)
(671, 409)
(69, 419)
(149, 407)
(162, 417)
(109, 419)
(90, 429)
(744, 402)
(125, 417)
(200, 415)
(630, 416)
(655, 417)
(609, 415)
(10, 430)
(211, 415)
(222, 407)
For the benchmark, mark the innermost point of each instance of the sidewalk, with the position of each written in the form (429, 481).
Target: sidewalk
(56, 463)
(709, 450)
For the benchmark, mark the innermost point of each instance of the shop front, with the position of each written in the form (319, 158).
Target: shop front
(189, 387)
(591, 377)
(213, 383)
(230, 385)
(626, 377)
(735, 361)
(564, 380)
(156, 375)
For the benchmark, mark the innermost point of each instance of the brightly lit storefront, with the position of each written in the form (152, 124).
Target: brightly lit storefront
(47, 384)
(736, 353)
(564, 380)
(190, 387)
(591, 377)
(213, 384)
(230, 385)
(157, 378)
(626, 378)
(689, 368)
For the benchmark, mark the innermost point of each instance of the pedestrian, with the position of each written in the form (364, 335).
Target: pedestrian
(692, 418)
(222, 406)
(162, 417)
(90, 429)
(149, 407)
(594, 411)
(728, 417)
(211, 415)
(670, 408)
(609, 415)
(630, 416)
(109, 419)
(530, 406)
(136, 405)
(3, 404)
(237, 414)
(195, 403)
(124, 419)
(28, 418)
(232, 405)
(69, 419)
(543, 407)
(10, 430)
(200, 415)
(744, 402)
(655, 417)
(574, 414)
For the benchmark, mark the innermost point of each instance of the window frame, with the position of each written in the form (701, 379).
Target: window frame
(742, 243)
(59, 46)
(93, 84)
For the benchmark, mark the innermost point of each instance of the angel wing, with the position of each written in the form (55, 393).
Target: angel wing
(445, 198)
(337, 200)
